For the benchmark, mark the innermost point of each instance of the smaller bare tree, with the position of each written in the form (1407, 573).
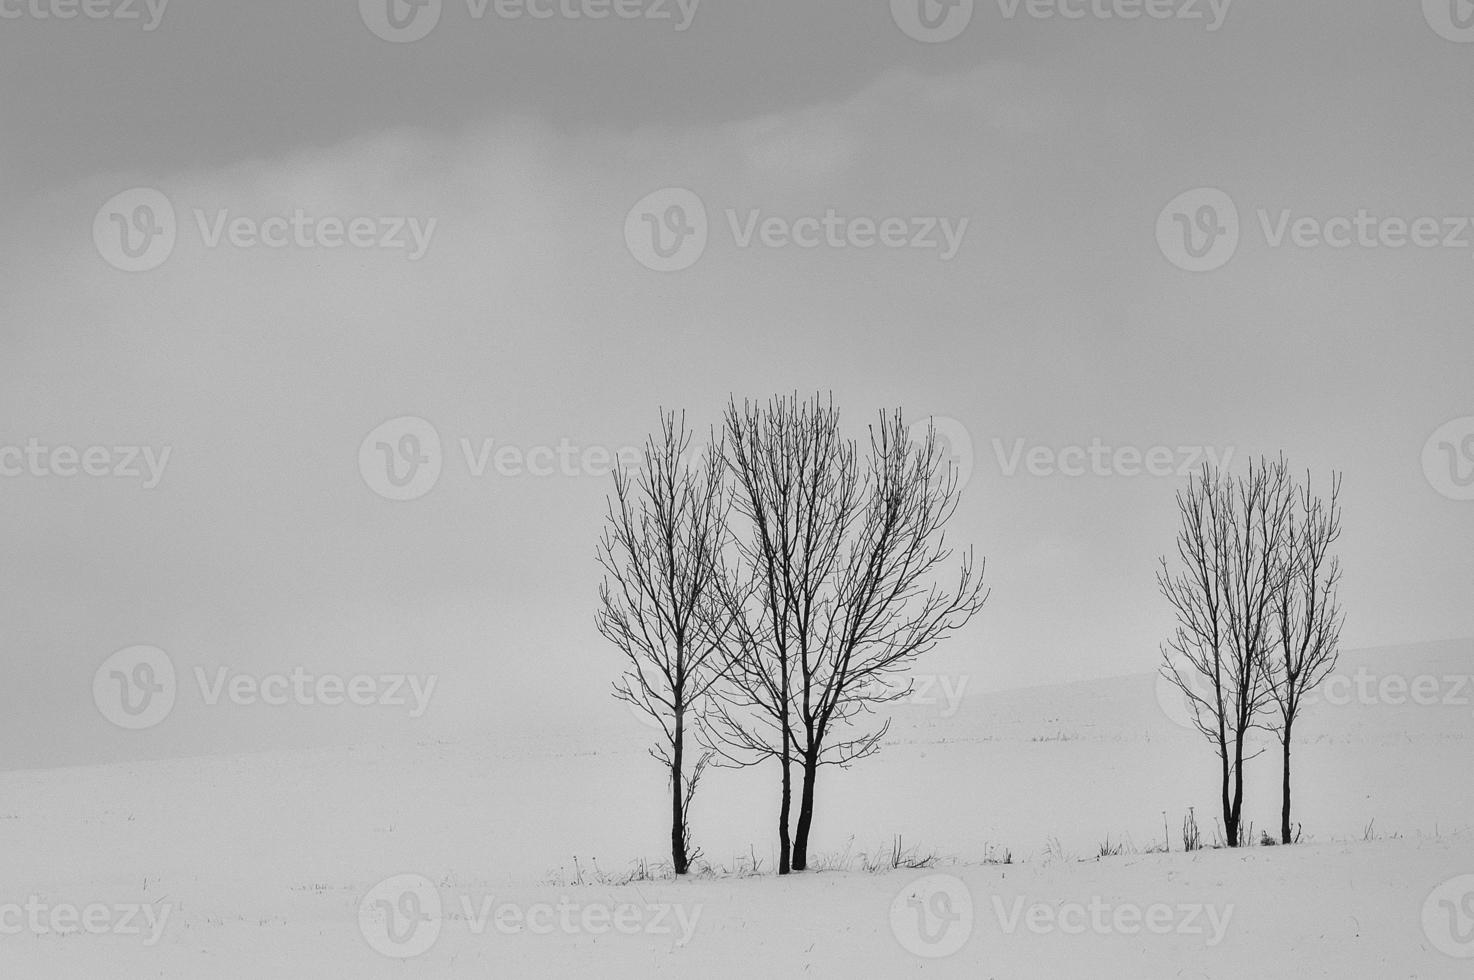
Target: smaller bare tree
(1307, 616)
(659, 602)
(1223, 593)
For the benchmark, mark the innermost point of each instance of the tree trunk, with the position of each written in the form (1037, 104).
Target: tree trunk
(784, 847)
(805, 813)
(1285, 798)
(1229, 823)
(678, 856)
(1238, 792)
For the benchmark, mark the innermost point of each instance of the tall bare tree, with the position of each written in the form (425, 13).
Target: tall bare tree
(1223, 593)
(659, 602)
(797, 491)
(843, 563)
(1307, 616)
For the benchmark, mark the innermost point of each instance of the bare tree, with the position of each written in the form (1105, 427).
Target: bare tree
(841, 565)
(659, 603)
(1223, 594)
(1194, 659)
(1307, 615)
(797, 487)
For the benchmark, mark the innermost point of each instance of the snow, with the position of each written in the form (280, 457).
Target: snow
(272, 864)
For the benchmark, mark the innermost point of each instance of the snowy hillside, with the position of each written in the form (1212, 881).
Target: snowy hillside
(260, 865)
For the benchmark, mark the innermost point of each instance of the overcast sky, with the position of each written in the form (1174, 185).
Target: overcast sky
(1041, 160)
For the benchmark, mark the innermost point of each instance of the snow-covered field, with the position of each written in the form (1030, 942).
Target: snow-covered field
(332, 862)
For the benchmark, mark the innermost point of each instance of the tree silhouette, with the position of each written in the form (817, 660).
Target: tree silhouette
(659, 603)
